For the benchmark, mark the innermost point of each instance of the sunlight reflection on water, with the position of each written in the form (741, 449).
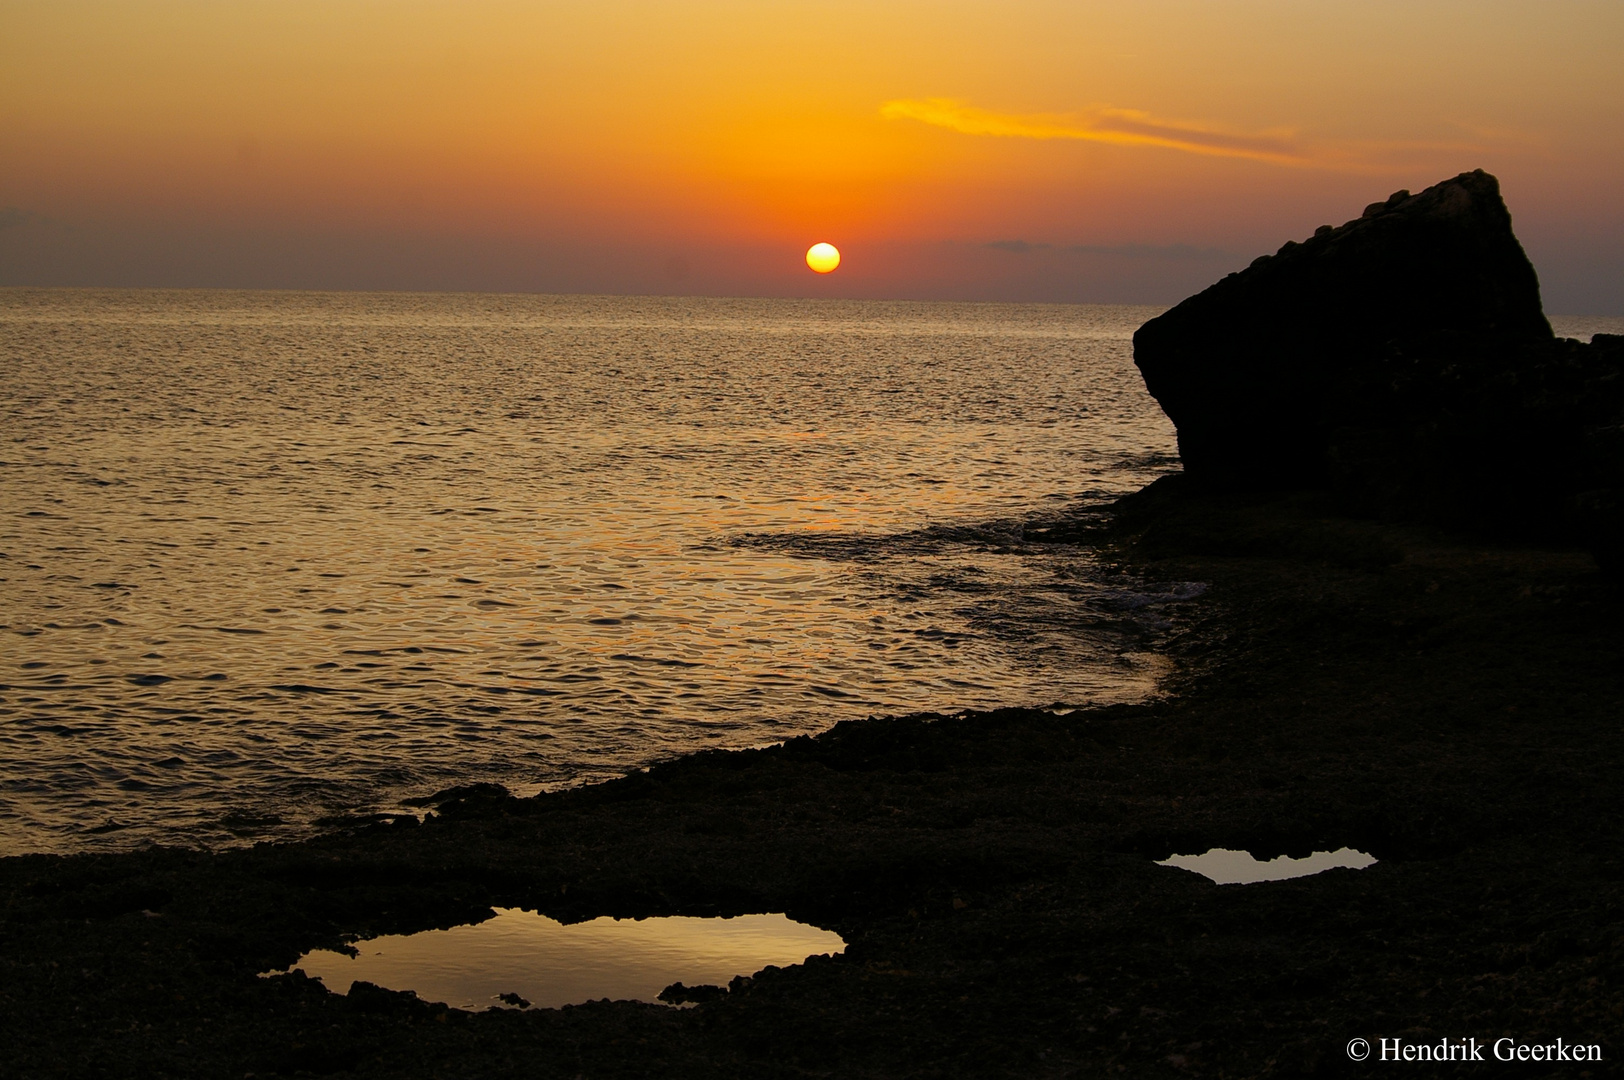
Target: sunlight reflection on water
(548, 964)
(269, 557)
(1229, 867)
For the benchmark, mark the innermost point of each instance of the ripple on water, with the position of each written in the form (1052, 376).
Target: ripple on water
(418, 541)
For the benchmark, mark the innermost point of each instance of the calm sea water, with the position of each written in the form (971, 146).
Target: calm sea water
(266, 557)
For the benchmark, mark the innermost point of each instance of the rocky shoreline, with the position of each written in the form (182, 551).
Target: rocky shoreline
(1443, 695)
(1447, 705)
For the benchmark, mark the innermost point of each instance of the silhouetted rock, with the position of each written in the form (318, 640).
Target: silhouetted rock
(1402, 358)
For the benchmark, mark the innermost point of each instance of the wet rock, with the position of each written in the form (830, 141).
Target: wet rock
(464, 799)
(1402, 359)
(678, 994)
(366, 997)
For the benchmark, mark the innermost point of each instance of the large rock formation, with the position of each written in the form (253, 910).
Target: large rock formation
(1402, 358)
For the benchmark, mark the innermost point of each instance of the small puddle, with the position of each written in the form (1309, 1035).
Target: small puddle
(547, 964)
(1228, 867)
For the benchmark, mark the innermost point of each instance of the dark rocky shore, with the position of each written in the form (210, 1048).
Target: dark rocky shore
(1441, 695)
(1450, 707)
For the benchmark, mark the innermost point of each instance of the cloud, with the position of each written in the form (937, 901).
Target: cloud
(1152, 251)
(1019, 247)
(1123, 251)
(1118, 127)
(11, 217)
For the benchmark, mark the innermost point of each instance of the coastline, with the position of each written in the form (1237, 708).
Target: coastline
(1447, 704)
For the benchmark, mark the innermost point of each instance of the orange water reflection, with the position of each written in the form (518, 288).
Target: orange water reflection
(550, 964)
(275, 557)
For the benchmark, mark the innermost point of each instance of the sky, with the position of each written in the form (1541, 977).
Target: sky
(1024, 150)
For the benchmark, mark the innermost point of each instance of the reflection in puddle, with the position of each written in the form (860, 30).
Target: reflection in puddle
(1228, 867)
(520, 956)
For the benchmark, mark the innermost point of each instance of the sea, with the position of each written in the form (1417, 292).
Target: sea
(275, 560)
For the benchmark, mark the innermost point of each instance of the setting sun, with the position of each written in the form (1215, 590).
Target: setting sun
(822, 257)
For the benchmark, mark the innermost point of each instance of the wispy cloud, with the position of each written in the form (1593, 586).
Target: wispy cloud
(1152, 251)
(11, 217)
(1119, 127)
(1124, 251)
(1019, 247)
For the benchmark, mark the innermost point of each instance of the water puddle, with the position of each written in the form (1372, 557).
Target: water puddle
(1228, 867)
(523, 959)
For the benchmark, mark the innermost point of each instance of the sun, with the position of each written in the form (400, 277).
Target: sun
(822, 257)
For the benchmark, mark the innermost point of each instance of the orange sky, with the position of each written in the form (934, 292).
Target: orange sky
(1109, 151)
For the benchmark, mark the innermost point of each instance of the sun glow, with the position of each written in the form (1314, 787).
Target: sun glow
(1029, 150)
(822, 257)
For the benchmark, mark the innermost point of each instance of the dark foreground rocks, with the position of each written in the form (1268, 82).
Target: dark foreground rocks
(1402, 360)
(1451, 707)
